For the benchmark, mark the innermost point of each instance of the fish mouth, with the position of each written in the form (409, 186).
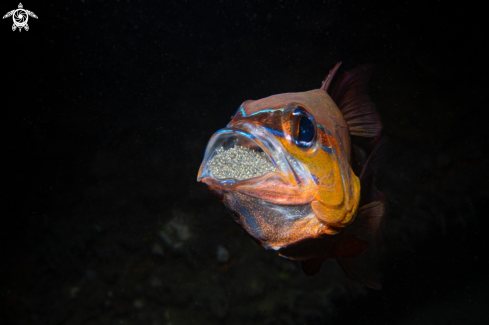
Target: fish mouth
(248, 158)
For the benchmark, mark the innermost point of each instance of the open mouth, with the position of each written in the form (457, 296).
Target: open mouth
(235, 155)
(249, 159)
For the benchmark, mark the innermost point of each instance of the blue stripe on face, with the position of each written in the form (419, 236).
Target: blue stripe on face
(322, 128)
(245, 134)
(240, 109)
(267, 111)
(327, 149)
(315, 179)
(224, 131)
(280, 134)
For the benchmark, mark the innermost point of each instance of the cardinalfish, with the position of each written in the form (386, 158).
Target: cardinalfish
(288, 173)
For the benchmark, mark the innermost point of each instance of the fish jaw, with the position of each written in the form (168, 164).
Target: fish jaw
(290, 183)
(275, 226)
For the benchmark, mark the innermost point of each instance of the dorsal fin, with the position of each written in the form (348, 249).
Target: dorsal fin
(329, 77)
(350, 94)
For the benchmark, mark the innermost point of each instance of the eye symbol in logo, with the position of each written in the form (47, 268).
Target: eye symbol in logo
(20, 17)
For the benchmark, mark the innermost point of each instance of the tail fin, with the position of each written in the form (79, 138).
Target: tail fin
(350, 94)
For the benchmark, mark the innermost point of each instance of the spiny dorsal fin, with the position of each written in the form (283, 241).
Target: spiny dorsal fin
(350, 94)
(329, 77)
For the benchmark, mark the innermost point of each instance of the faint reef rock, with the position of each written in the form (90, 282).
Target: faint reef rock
(175, 232)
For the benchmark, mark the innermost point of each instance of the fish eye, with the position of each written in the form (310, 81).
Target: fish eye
(306, 129)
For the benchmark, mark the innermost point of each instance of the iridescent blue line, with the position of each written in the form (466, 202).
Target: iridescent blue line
(224, 131)
(280, 134)
(226, 181)
(267, 111)
(251, 136)
(327, 149)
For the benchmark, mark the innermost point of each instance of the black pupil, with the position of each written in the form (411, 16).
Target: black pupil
(306, 130)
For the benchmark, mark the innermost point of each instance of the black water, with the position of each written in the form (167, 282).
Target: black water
(107, 108)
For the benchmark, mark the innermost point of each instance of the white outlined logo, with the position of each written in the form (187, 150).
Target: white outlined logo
(20, 17)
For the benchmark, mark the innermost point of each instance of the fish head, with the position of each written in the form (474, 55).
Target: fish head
(281, 167)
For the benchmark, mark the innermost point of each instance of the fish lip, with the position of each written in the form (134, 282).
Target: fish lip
(263, 138)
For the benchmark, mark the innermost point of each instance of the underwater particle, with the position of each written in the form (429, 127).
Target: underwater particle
(157, 250)
(283, 275)
(240, 163)
(155, 282)
(222, 255)
(74, 292)
(97, 228)
(89, 274)
(443, 160)
(138, 303)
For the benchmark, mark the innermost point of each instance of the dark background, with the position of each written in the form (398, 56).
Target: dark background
(107, 107)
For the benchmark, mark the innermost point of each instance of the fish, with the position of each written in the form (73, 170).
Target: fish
(287, 171)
